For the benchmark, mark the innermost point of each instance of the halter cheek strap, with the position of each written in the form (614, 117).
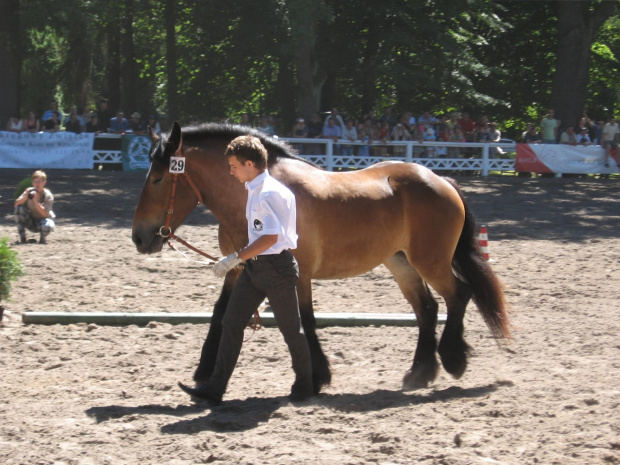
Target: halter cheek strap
(165, 230)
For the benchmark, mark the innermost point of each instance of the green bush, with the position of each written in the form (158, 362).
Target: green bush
(23, 185)
(10, 268)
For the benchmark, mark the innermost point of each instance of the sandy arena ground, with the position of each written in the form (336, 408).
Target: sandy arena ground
(87, 394)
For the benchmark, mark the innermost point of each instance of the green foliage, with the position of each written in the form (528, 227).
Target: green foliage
(483, 56)
(23, 185)
(10, 268)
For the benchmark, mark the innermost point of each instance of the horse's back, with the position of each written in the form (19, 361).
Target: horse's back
(350, 222)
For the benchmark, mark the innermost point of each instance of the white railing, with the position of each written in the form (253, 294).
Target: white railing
(456, 156)
(437, 156)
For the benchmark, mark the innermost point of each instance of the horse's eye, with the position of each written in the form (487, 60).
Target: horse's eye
(157, 181)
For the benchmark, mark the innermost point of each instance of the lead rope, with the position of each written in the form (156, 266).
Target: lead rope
(258, 322)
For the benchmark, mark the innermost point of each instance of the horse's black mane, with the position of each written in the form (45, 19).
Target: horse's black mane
(275, 148)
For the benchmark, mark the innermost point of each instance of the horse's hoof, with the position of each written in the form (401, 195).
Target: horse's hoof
(418, 379)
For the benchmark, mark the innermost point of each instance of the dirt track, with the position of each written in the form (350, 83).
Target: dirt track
(84, 395)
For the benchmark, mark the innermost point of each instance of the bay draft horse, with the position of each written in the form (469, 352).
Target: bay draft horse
(401, 215)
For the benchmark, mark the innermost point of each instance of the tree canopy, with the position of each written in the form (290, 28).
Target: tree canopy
(207, 59)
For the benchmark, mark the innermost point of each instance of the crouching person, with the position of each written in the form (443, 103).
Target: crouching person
(33, 209)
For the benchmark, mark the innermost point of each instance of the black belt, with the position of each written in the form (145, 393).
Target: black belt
(267, 256)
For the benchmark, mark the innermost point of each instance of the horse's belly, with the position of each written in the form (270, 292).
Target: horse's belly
(352, 258)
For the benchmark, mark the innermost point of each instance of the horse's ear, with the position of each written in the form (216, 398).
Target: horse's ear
(154, 137)
(175, 140)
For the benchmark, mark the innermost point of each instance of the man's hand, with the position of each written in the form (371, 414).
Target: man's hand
(226, 264)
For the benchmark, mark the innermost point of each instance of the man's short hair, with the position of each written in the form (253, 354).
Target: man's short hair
(39, 174)
(248, 148)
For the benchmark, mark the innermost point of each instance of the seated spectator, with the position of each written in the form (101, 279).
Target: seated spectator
(453, 122)
(119, 123)
(597, 133)
(427, 118)
(136, 125)
(444, 135)
(72, 124)
(456, 136)
(31, 124)
(52, 124)
(15, 123)
(531, 135)
(364, 135)
(568, 137)
(482, 133)
(104, 115)
(266, 127)
(315, 130)
(94, 125)
(583, 138)
(74, 110)
(349, 133)
(332, 131)
(400, 133)
(154, 124)
(412, 123)
(334, 114)
(610, 138)
(428, 135)
(468, 126)
(405, 120)
(53, 108)
(300, 130)
(495, 135)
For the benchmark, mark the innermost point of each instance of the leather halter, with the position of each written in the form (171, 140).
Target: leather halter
(165, 230)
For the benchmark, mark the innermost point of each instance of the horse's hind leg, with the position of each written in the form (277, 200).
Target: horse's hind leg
(424, 369)
(321, 373)
(453, 350)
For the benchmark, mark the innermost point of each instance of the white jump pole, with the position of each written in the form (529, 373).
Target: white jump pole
(140, 319)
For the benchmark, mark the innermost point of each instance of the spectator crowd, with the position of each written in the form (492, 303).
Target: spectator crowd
(369, 135)
(100, 121)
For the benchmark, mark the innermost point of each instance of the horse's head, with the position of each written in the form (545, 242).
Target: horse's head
(152, 209)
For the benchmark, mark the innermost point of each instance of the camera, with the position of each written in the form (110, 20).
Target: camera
(31, 194)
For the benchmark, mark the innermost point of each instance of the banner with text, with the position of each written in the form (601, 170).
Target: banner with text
(135, 153)
(561, 158)
(46, 150)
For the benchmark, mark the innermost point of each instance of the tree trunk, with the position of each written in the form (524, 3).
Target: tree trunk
(310, 84)
(10, 57)
(576, 28)
(171, 61)
(113, 66)
(371, 50)
(128, 64)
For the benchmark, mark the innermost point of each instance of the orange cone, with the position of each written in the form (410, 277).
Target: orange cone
(483, 242)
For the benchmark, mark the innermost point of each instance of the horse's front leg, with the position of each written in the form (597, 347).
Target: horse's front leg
(321, 372)
(212, 342)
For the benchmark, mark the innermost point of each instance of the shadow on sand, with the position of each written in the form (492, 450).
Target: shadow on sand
(241, 415)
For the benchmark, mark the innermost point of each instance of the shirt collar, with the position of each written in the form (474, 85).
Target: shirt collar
(257, 181)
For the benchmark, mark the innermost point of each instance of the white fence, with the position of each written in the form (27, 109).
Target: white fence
(437, 156)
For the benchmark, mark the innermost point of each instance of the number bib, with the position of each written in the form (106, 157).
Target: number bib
(177, 165)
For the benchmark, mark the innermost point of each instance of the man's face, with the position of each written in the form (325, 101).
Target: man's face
(551, 113)
(38, 183)
(244, 172)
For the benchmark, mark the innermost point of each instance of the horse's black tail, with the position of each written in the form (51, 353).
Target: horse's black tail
(485, 286)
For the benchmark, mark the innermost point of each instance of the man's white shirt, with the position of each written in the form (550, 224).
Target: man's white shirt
(271, 209)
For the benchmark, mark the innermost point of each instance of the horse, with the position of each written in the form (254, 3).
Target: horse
(401, 215)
